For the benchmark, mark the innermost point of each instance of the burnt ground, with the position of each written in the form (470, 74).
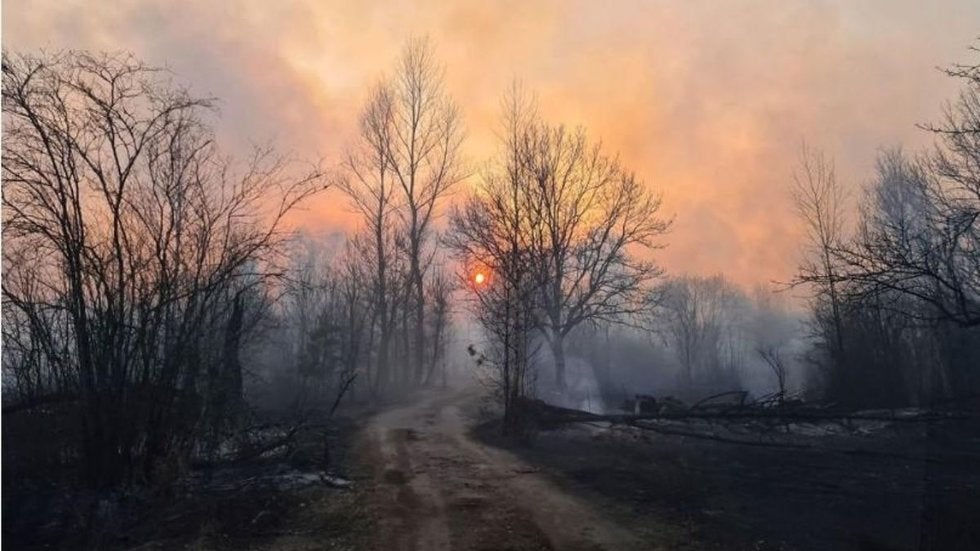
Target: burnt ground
(437, 477)
(279, 502)
(433, 474)
(908, 486)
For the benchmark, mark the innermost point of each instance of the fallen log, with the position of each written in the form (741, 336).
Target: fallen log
(548, 414)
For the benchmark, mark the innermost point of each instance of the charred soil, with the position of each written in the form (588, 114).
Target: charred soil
(908, 486)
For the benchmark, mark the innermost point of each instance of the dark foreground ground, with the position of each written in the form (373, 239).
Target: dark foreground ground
(280, 502)
(904, 487)
(434, 474)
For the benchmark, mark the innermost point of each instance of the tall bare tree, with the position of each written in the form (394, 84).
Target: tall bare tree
(490, 234)
(819, 200)
(424, 156)
(593, 215)
(124, 223)
(371, 186)
(575, 217)
(411, 135)
(929, 254)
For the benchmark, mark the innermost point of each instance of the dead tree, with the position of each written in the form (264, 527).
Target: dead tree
(819, 200)
(406, 164)
(439, 291)
(774, 360)
(907, 283)
(425, 159)
(696, 316)
(488, 238)
(134, 230)
(411, 134)
(590, 214)
(921, 243)
(924, 244)
(490, 234)
(370, 185)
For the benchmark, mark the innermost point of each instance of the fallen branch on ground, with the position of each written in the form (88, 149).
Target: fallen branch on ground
(549, 414)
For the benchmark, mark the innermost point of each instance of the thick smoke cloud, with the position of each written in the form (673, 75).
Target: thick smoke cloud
(707, 101)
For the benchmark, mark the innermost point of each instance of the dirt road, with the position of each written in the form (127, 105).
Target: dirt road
(431, 487)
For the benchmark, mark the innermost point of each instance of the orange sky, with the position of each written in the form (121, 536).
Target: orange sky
(707, 101)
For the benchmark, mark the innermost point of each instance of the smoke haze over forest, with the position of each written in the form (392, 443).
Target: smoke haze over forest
(708, 102)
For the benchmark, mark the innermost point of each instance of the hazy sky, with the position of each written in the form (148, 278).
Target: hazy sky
(707, 101)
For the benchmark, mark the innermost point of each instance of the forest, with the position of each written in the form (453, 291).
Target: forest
(174, 341)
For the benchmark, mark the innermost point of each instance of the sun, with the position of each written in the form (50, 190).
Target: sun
(479, 278)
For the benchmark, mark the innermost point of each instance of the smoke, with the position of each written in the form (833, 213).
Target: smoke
(707, 336)
(707, 102)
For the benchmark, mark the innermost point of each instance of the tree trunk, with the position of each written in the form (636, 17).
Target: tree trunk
(558, 350)
(383, 368)
(419, 299)
(232, 393)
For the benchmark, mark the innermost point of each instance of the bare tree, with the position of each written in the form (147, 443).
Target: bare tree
(924, 244)
(697, 317)
(499, 277)
(773, 358)
(408, 162)
(490, 234)
(819, 200)
(591, 216)
(324, 316)
(356, 305)
(554, 223)
(439, 293)
(425, 158)
(907, 283)
(773, 328)
(371, 188)
(139, 239)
